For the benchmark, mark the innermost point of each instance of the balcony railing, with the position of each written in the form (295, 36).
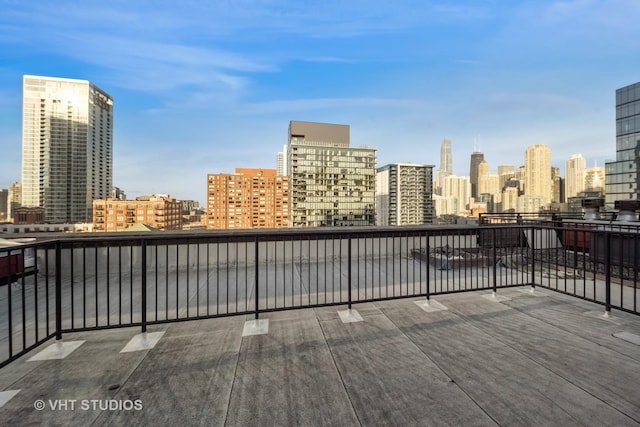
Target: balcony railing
(97, 282)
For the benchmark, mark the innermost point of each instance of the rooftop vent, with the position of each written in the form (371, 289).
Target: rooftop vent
(592, 208)
(627, 210)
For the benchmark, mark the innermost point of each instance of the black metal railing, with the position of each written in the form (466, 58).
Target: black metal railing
(96, 281)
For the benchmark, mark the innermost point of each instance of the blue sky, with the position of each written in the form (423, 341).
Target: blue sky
(206, 86)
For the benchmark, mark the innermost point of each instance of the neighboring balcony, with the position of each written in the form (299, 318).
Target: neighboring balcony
(494, 325)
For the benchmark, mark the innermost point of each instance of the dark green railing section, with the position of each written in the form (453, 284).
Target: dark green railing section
(97, 281)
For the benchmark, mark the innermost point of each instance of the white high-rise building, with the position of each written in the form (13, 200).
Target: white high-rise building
(404, 194)
(538, 182)
(457, 188)
(574, 175)
(67, 147)
(281, 162)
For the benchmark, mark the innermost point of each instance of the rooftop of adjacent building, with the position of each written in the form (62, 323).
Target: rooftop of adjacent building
(320, 132)
(533, 359)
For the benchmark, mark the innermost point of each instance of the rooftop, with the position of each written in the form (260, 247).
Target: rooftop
(538, 358)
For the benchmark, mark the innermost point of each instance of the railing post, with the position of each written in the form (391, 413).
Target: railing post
(255, 279)
(533, 258)
(607, 306)
(143, 272)
(427, 254)
(9, 304)
(495, 260)
(349, 272)
(59, 291)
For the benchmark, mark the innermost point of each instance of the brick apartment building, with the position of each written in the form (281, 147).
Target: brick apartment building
(157, 211)
(248, 198)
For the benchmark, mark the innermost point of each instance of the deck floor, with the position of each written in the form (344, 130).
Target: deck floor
(534, 359)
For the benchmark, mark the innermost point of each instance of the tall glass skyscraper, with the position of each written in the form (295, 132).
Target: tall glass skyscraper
(67, 147)
(622, 176)
(331, 183)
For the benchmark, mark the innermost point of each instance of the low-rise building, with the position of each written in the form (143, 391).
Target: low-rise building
(158, 211)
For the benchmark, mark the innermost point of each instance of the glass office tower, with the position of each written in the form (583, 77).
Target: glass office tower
(331, 183)
(622, 176)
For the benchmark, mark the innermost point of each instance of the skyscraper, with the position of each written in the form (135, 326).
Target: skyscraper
(15, 198)
(476, 158)
(446, 160)
(458, 189)
(594, 179)
(332, 184)
(281, 162)
(505, 172)
(622, 176)
(574, 175)
(67, 147)
(4, 204)
(404, 194)
(483, 169)
(538, 180)
(557, 186)
(446, 165)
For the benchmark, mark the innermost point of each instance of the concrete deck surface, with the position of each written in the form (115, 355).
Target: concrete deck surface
(540, 359)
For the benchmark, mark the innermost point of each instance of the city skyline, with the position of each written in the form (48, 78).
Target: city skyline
(200, 90)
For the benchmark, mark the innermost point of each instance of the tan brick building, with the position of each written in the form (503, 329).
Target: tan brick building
(248, 198)
(29, 215)
(159, 212)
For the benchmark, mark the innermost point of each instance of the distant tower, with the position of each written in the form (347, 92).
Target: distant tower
(538, 181)
(594, 179)
(446, 166)
(446, 160)
(558, 186)
(505, 173)
(15, 198)
(281, 162)
(458, 190)
(67, 147)
(476, 158)
(4, 204)
(574, 175)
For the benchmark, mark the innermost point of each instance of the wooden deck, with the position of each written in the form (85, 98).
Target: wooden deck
(534, 359)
